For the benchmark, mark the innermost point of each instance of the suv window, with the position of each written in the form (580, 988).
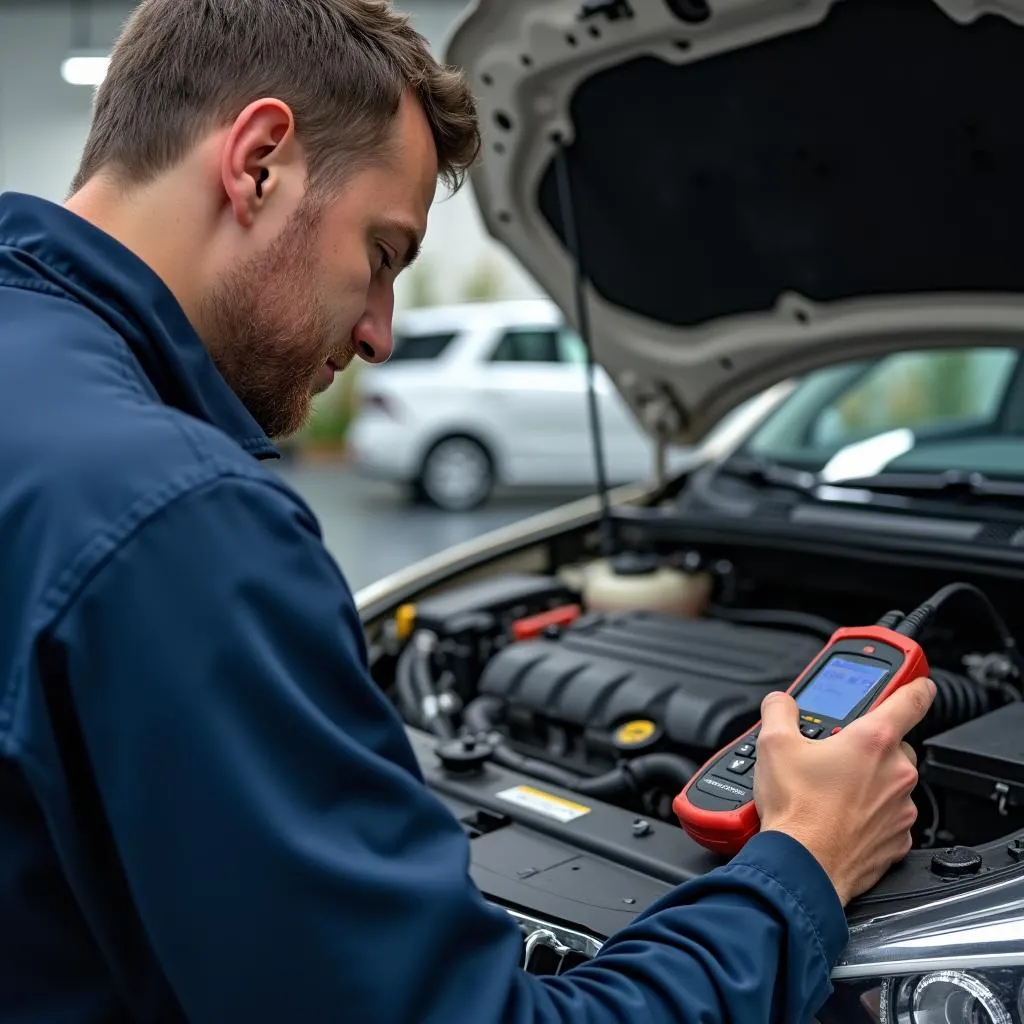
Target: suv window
(527, 346)
(409, 347)
(960, 403)
(571, 348)
(539, 345)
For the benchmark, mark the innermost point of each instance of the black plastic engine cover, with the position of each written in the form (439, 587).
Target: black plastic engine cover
(700, 681)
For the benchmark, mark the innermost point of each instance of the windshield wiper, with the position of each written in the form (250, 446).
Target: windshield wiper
(952, 483)
(772, 474)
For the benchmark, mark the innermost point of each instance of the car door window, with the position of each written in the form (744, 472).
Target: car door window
(421, 347)
(571, 348)
(545, 345)
(935, 388)
(527, 345)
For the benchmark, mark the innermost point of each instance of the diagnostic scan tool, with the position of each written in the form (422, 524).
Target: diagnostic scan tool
(855, 672)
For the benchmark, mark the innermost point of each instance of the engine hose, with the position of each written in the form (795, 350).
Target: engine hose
(609, 786)
(783, 619)
(416, 690)
(482, 715)
(508, 758)
(406, 687)
(671, 770)
(659, 770)
(481, 718)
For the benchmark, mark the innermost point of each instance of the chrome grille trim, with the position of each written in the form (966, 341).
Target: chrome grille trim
(547, 945)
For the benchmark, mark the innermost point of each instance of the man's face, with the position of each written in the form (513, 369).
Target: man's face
(284, 321)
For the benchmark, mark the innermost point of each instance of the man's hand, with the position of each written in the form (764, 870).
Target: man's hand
(845, 798)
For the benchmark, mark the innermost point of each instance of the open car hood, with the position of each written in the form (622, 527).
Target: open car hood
(759, 187)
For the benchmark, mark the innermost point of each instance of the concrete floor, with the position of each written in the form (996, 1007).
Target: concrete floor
(372, 530)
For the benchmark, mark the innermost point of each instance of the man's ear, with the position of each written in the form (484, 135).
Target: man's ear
(259, 154)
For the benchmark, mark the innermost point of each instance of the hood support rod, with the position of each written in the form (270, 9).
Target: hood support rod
(572, 242)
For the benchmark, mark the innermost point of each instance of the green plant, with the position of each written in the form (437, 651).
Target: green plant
(421, 288)
(484, 283)
(951, 374)
(334, 410)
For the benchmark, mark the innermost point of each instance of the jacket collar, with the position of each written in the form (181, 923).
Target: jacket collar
(42, 243)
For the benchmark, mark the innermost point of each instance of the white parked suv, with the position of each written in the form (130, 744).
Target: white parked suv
(487, 393)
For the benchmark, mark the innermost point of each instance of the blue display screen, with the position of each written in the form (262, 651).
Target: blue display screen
(840, 685)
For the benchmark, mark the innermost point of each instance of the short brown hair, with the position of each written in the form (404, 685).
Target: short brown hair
(183, 67)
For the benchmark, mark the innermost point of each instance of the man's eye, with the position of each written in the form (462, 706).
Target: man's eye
(385, 259)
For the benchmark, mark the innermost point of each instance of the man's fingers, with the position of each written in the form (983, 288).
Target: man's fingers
(779, 714)
(906, 707)
(910, 752)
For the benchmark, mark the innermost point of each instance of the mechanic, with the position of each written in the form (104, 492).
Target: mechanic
(208, 812)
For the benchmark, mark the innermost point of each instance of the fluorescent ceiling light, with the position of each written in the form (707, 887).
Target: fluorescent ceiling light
(85, 68)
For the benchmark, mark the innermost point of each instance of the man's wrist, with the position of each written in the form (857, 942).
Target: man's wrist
(791, 865)
(819, 847)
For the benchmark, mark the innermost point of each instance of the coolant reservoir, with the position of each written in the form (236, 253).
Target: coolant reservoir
(632, 582)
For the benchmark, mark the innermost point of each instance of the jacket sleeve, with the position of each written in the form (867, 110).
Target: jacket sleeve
(283, 853)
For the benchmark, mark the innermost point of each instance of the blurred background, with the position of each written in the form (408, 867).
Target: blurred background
(480, 418)
(399, 461)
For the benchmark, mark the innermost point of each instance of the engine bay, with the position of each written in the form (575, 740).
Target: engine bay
(614, 681)
(558, 700)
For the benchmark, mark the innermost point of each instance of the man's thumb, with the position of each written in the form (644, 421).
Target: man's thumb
(779, 713)
(908, 705)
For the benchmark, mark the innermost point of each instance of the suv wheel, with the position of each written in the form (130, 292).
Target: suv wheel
(457, 475)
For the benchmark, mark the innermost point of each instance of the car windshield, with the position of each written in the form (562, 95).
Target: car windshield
(925, 411)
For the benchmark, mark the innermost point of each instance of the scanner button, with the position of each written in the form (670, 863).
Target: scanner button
(715, 786)
(812, 732)
(745, 750)
(740, 765)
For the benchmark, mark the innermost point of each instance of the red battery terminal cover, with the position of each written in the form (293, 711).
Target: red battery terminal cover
(533, 625)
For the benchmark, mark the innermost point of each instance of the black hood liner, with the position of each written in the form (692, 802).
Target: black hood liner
(880, 152)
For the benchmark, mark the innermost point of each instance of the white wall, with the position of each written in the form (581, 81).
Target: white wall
(44, 123)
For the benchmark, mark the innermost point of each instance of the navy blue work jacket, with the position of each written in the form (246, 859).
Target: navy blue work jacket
(208, 811)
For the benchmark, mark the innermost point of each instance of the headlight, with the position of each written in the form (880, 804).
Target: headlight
(936, 997)
(954, 960)
(949, 997)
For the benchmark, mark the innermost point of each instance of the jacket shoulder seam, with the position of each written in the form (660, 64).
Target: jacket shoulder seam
(41, 287)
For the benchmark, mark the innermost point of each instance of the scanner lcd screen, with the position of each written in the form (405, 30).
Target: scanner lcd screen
(840, 685)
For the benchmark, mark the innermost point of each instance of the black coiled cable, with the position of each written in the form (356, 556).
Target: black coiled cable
(890, 620)
(958, 698)
(973, 600)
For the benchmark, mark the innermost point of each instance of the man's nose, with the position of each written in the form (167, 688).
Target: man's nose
(373, 334)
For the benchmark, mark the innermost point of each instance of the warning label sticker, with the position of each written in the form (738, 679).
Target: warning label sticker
(543, 803)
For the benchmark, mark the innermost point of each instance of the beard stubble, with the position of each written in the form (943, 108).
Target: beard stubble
(267, 332)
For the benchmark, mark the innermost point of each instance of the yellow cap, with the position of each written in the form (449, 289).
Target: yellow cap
(636, 733)
(405, 619)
